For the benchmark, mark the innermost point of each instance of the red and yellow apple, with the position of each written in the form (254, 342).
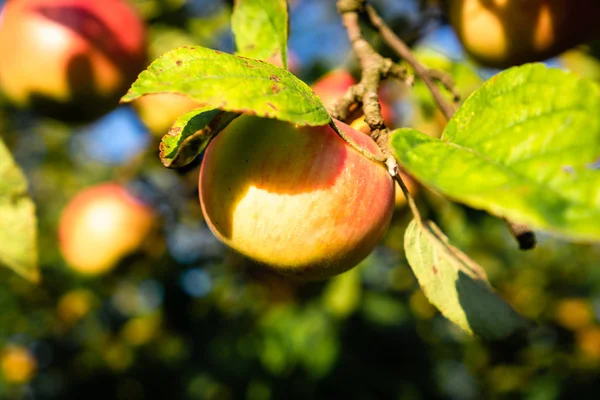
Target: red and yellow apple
(299, 200)
(70, 59)
(100, 226)
(502, 33)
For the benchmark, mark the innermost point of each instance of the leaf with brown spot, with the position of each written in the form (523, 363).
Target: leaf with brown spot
(457, 285)
(190, 134)
(231, 83)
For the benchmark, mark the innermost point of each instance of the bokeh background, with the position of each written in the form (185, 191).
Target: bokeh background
(185, 318)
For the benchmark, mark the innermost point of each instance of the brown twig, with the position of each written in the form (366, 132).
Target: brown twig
(396, 44)
(374, 67)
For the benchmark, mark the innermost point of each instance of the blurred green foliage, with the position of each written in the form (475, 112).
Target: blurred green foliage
(184, 318)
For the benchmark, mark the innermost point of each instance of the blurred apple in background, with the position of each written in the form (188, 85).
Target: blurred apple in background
(503, 33)
(17, 364)
(334, 84)
(70, 59)
(100, 226)
(159, 111)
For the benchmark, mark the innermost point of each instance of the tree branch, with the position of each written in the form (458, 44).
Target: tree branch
(396, 44)
(374, 69)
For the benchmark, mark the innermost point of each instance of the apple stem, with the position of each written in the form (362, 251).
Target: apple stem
(356, 146)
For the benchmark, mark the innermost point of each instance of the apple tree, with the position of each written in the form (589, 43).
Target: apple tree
(285, 201)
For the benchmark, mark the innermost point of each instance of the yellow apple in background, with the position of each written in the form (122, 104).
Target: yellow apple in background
(503, 33)
(70, 59)
(100, 226)
(299, 200)
(159, 111)
(17, 364)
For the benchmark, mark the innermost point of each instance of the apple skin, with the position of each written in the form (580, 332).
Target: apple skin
(298, 200)
(70, 59)
(503, 33)
(100, 226)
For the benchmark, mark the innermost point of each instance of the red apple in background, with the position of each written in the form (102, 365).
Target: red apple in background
(299, 200)
(100, 226)
(70, 59)
(334, 84)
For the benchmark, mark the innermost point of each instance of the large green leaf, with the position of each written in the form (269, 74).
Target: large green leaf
(457, 285)
(18, 224)
(260, 28)
(525, 146)
(190, 134)
(231, 83)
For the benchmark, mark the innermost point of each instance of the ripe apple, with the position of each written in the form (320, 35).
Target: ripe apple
(502, 33)
(100, 226)
(297, 199)
(70, 59)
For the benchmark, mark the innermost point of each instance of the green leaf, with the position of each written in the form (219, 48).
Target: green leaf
(525, 146)
(260, 28)
(456, 285)
(18, 224)
(230, 83)
(190, 134)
